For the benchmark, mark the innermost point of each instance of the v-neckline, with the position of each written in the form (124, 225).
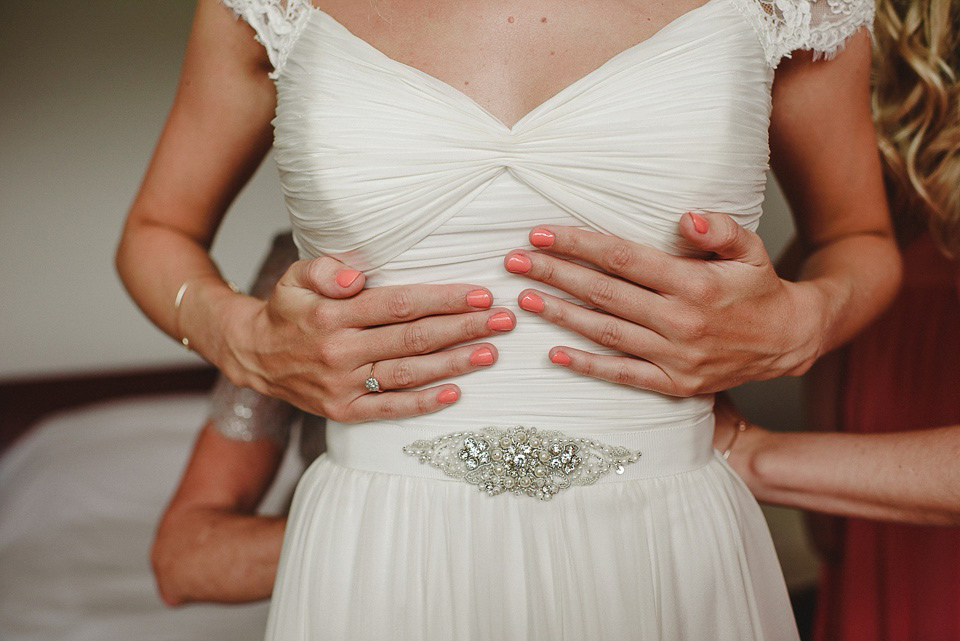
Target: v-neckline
(460, 95)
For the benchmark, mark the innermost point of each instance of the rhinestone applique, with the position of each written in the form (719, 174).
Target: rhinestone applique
(522, 460)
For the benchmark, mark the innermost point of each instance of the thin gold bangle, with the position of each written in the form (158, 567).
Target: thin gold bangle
(741, 427)
(176, 308)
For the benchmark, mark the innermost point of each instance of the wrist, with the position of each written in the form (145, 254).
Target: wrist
(775, 461)
(236, 328)
(812, 315)
(749, 458)
(208, 316)
(738, 429)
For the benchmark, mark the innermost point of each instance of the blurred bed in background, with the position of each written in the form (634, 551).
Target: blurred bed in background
(80, 495)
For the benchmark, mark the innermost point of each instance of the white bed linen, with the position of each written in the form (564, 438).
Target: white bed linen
(80, 497)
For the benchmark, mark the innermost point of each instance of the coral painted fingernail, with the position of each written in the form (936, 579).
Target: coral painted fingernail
(480, 299)
(347, 277)
(699, 223)
(482, 356)
(531, 303)
(541, 238)
(500, 322)
(560, 358)
(448, 396)
(518, 264)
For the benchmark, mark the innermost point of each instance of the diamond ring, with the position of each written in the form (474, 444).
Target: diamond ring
(372, 384)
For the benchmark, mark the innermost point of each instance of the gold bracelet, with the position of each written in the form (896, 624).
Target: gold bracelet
(741, 427)
(176, 309)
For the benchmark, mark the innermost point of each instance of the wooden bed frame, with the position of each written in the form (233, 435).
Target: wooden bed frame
(23, 402)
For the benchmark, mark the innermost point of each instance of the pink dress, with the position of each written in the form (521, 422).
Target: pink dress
(899, 582)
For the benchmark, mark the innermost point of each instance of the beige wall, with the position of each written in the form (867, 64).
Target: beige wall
(84, 89)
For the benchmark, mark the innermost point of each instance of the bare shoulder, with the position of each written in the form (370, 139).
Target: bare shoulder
(221, 36)
(849, 65)
(218, 129)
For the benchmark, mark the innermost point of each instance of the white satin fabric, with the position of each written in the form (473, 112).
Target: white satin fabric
(400, 175)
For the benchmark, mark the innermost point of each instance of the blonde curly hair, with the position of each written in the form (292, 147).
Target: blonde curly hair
(916, 102)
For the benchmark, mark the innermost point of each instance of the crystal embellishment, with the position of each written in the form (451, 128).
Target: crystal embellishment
(522, 460)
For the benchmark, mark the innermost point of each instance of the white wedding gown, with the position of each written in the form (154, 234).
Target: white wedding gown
(400, 175)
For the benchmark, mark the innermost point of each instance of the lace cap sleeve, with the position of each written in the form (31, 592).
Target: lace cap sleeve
(821, 26)
(276, 22)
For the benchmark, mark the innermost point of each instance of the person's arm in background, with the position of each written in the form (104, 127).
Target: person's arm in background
(211, 545)
(910, 477)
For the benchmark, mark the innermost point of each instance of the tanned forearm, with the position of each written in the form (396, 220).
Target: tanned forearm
(208, 554)
(215, 137)
(907, 476)
(211, 544)
(856, 278)
(824, 153)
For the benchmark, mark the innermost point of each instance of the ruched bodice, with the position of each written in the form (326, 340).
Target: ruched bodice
(401, 175)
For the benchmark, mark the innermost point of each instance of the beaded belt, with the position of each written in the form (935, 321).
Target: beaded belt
(522, 460)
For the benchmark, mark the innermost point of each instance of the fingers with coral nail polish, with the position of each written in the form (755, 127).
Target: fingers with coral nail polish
(644, 265)
(448, 396)
(347, 277)
(603, 329)
(595, 288)
(530, 302)
(432, 333)
(622, 370)
(501, 322)
(416, 371)
(482, 357)
(518, 264)
(542, 238)
(403, 404)
(480, 298)
(699, 223)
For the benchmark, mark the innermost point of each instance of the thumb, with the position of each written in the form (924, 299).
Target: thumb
(325, 276)
(721, 235)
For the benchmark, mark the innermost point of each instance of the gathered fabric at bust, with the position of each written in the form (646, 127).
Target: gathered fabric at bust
(399, 174)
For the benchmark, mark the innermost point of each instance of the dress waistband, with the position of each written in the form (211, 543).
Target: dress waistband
(380, 447)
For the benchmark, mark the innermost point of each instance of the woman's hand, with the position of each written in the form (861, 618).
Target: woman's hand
(700, 326)
(314, 342)
(688, 325)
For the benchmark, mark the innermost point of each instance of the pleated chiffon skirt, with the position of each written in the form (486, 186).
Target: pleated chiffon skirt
(385, 555)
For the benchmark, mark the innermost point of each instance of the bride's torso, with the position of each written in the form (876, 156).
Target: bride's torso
(401, 173)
